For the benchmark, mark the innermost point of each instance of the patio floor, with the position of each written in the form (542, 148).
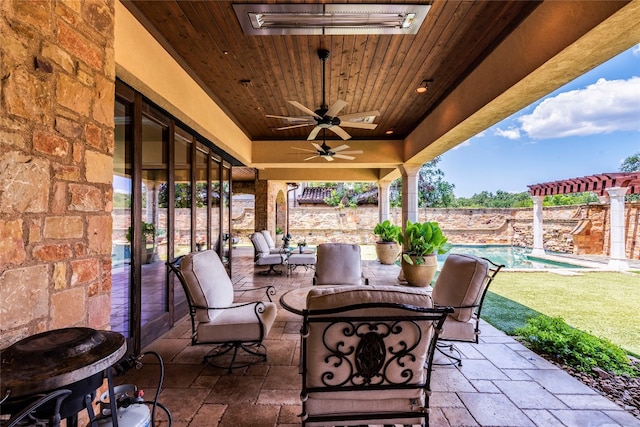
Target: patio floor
(501, 383)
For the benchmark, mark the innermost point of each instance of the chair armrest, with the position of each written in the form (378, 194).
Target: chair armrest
(269, 291)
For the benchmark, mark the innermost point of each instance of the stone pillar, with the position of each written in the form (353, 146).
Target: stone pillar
(617, 256)
(409, 193)
(383, 200)
(261, 220)
(538, 233)
(56, 165)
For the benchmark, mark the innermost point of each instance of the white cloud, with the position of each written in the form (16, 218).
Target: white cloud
(511, 133)
(463, 144)
(636, 50)
(468, 141)
(600, 108)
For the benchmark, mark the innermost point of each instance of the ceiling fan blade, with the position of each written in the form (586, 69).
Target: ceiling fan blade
(295, 126)
(303, 108)
(304, 149)
(317, 146)
(359, 115)
(340, 148)
(291, 118)
(352, 152)
(358, 125)
(312, 157)
(340, 132)
(328, 158)
(314, 133)
(342, 156)
(335, 108)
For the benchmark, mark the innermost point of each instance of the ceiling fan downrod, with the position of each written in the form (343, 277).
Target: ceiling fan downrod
(323, 54)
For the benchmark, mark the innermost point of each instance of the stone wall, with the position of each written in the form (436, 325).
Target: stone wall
(56, 148)
(563, 226)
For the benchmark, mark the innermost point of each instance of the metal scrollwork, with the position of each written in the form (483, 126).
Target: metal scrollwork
(367, 353)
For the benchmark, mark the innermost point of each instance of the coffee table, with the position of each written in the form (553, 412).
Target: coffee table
(295, 300)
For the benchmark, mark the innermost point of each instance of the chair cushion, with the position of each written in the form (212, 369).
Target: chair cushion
(322, 336)
(458, 331)
(207, 283)
(460, 283)
(270, 259)
(301, 259)
(260, 243)
(323, 297)
(338, 263)
(237, 324)
(319, 405)
(268, 239)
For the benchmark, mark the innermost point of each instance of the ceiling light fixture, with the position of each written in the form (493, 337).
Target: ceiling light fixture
(330, 19)
(423, 86)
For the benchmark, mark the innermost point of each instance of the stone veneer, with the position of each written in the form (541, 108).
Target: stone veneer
(56, 165)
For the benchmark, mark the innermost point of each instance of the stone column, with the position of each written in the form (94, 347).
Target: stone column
(383, 200)
(409, 193)
(617, 256)
(538, 241)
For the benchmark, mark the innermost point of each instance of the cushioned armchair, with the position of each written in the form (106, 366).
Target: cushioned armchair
(270, 243)
(264, 255)
(339, 264)
(215, 317)
(366, 355)
(462, 284)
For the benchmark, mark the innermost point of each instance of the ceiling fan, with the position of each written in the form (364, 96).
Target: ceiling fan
(327, 117)
(329, 153)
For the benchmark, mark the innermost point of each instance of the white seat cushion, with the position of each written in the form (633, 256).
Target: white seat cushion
(237, 324)
(207, 282)
(338, 263)
(460, 283)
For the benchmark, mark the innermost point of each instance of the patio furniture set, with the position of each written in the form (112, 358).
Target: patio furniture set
(366, 350)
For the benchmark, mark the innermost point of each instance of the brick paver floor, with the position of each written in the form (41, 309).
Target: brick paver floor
(501, 383)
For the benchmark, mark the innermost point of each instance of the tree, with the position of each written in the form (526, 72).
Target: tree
(631, 163)
(433, 190)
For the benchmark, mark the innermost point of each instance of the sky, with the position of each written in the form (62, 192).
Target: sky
(587, 127)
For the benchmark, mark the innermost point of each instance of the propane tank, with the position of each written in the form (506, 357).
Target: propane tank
(131, 409)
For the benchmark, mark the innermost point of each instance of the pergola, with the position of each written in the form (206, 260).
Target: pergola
(612, 186)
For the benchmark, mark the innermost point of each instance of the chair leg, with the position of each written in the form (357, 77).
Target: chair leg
(449, 351)
(271, 269)
(258, 350)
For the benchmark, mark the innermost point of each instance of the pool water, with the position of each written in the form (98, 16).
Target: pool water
(509, 256)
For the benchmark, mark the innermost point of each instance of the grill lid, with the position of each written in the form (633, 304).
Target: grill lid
(56, 358)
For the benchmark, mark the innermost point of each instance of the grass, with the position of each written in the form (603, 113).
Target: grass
(604, 304)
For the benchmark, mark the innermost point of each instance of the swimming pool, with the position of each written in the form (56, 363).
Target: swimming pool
(510, 256)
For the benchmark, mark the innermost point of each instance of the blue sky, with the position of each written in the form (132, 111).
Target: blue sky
(589, 126)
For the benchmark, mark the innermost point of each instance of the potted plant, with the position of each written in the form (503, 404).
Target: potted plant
(148, 231)
(421, 243)
(279, 234)
(387, 248)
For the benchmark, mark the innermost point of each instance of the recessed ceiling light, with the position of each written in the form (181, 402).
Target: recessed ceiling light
(328, 19)
(423, 86)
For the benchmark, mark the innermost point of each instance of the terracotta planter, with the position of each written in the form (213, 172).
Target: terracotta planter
(387, 252)
(420, 275)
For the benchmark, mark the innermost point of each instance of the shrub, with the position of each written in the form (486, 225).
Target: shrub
(578, 349)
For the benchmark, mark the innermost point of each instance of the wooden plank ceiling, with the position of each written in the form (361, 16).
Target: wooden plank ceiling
(369, 72)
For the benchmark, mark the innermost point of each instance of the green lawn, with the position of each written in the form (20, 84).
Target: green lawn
(604, 304)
